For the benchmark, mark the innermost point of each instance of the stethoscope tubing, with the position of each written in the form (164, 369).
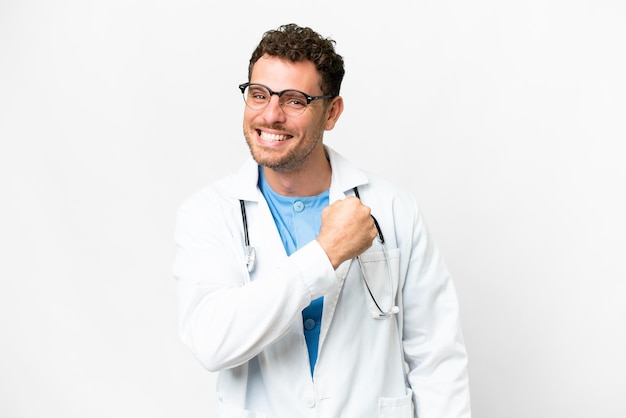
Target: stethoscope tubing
(251, 258)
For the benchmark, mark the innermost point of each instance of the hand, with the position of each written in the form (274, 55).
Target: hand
(347, 230)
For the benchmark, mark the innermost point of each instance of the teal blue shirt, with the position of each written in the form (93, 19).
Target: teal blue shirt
(298, 220)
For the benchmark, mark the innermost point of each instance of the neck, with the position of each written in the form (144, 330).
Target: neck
(307, 181)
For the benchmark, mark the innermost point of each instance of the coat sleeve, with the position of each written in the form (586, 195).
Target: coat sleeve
(225, 319)
(432, 340)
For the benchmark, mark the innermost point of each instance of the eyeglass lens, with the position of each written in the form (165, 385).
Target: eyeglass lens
(292, 102)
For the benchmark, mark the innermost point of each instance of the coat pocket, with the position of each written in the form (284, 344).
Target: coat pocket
(380, 271)
(231, 411)
(400, 407)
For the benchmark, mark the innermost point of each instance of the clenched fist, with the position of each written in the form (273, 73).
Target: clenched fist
(347, 230)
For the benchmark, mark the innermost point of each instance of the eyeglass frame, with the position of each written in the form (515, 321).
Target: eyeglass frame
(308, 97)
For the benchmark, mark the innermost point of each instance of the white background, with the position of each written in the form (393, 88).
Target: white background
(504, 118)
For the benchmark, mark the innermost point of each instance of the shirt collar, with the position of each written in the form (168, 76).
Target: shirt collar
(345, 176)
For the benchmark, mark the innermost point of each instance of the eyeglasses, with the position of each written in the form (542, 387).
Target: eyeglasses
(292, 102)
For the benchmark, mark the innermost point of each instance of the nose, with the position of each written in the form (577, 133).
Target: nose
(273, 112)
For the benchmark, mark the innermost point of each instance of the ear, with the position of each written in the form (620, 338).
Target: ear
(333, 112)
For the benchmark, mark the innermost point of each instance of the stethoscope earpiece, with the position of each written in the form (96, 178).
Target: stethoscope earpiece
(250, 257)
(250, 254)
(378, 315)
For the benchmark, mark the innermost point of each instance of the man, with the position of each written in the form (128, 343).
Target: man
(307, 300)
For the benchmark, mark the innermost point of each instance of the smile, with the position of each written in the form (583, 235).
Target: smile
(265, 136)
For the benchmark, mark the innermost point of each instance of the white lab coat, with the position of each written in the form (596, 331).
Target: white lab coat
(249, 326)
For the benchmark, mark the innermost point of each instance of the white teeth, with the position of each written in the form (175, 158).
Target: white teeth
(272, 137)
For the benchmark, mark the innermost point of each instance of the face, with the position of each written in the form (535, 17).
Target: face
(281, 142)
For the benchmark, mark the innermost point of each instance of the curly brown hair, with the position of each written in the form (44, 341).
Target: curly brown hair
(295, 43)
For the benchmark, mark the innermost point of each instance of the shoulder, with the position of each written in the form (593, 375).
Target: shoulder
(208, 199)
(226, 191)
(380, 188)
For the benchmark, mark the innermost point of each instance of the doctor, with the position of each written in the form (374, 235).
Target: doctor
(311, 286)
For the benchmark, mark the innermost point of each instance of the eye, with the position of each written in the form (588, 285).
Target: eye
(258, 93)
(294, 99)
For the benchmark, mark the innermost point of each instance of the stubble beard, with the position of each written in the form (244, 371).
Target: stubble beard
(291, 162)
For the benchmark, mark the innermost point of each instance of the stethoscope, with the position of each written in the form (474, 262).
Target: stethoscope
(250, 259)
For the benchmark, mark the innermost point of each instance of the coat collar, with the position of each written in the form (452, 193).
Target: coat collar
(345, 176)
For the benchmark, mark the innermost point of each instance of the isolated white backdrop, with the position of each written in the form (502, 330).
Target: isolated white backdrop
(505, 119)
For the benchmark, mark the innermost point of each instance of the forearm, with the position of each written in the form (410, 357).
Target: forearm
(225, 322)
